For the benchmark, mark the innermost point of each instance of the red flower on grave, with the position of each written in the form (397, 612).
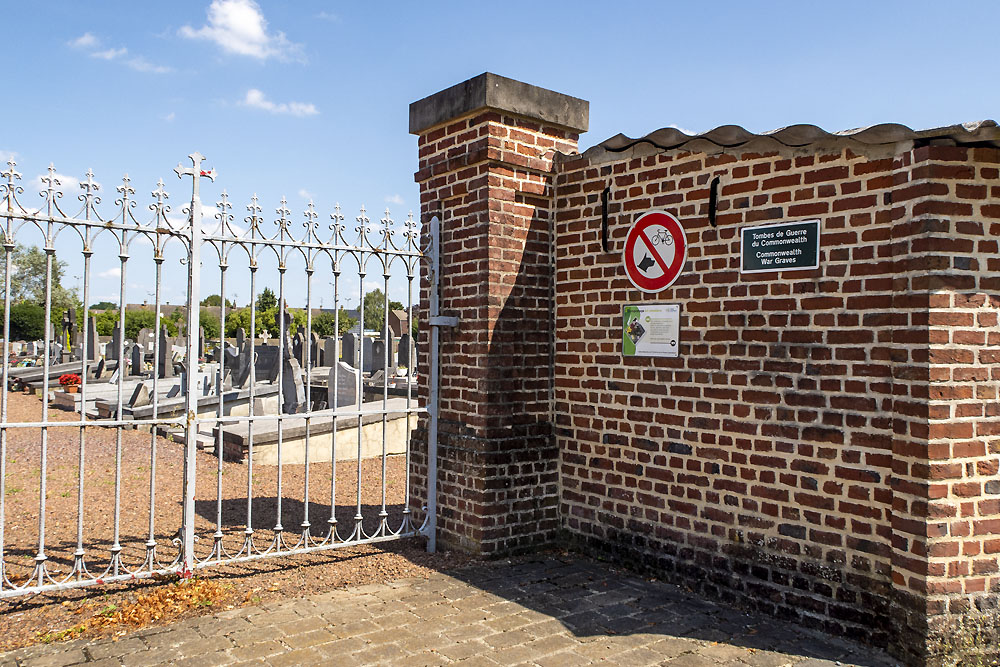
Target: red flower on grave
(69, 379)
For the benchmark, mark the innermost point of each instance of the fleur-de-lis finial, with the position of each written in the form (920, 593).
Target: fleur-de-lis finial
(51, 193)
(223, 216)
(338, 223)
(254, 218)
(310, 224)
(89, 197)
(9, 188)
(362, 227)
(386, 228)
(410, 230)
(283, 214)
(160, 208)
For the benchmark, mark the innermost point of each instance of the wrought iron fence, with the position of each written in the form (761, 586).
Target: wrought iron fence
(198, 529)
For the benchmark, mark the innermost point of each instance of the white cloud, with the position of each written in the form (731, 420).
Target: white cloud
(84, 41)
(328, 16)
(115, 272)
(140, 64)
(69, 185)
(109, 54)
(92, 44)
(305, 194)
(6, 155)
(394, 199)
(256, 99)
(683, 129)
(238, 26)
(170, 117)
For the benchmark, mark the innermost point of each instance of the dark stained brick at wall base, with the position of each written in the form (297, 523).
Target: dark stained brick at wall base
(755, 578)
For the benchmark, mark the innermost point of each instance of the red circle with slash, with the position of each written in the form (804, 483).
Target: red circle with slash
(655, 251)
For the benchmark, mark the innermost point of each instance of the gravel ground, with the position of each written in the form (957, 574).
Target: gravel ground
(23, 620)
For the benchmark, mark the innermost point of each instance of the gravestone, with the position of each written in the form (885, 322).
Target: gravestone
(140, 396)
(405, 351)
(242, 362)
(330, 351)
(56, 350)
(116, 339)
(92, 341)
(349, 348)
(342, 389)
(137, 365)
(367, 363)
(313, 349)
(146, 339)
(266, 364)
(165, 364)
(292, 389)
(115, 374)
(297, 348)
(378, 354)
(201, 343)
(99, 369)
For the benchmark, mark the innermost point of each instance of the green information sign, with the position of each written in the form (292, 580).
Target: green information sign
(651, 330)
(788, 246)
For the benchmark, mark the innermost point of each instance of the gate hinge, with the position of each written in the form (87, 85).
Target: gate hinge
(443, 321)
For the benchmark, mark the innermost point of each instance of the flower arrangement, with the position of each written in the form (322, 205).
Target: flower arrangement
(69, 379)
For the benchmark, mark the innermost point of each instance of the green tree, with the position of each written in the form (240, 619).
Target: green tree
(374, 307)
(135, 321)
(27, 321)
(324, 324)
(344, 321)
(266, 300)
(216, 301)
(27, 280)
(209, 321)
(104, 305)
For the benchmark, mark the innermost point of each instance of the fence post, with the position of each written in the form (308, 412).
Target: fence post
(191, 355)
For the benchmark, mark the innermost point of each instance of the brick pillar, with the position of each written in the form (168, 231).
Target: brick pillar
(486, 150)
(946, 449)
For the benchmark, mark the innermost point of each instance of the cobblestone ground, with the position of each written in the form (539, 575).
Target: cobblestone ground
(549, 612)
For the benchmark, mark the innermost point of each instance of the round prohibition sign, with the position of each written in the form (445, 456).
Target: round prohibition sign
(655, 251)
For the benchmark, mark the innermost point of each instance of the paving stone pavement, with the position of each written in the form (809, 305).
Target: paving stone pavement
(549, 612)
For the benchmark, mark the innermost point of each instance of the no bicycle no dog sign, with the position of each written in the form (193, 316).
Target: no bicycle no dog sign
(655, 251)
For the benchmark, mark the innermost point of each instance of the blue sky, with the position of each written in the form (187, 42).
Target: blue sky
(309, 99)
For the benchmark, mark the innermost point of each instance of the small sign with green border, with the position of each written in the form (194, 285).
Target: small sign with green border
(651, 330)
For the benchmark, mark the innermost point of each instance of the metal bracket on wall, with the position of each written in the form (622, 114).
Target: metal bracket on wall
(713, 200)
(443, 321)
(604, 218)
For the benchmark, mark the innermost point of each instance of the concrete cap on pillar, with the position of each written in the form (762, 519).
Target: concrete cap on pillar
(490, 91)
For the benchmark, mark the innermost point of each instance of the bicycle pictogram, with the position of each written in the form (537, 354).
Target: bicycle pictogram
(664, 236)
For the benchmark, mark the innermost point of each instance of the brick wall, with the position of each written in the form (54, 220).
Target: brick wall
(785, 459)
(826, 446)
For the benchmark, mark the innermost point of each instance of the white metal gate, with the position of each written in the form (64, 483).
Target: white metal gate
(234, 521)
